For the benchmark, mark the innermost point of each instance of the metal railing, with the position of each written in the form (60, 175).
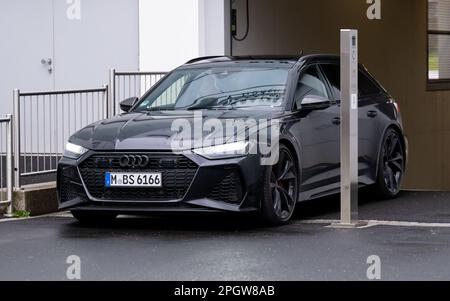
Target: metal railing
(6, 162)
(45, 120)
(124, 85)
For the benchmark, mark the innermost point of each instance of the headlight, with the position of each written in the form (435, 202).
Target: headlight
(223, 151)
(74, 151)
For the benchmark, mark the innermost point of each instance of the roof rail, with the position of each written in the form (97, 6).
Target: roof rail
(203, 58)
(267, 57)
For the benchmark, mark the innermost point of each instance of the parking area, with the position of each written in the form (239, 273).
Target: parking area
(411, 236)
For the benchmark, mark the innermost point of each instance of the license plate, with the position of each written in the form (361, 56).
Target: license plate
(113, 179)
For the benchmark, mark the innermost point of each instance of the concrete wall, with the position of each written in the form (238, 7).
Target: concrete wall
(212, 27)
(175, 31)
(394, 49)
(168, 33)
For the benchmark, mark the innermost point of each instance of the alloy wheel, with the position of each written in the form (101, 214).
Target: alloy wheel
(393, 162)
(283, 185)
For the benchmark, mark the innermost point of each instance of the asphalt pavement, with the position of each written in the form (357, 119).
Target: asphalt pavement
(410, 235)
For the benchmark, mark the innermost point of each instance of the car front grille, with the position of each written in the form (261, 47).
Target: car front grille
(229, 189)
(177, 174)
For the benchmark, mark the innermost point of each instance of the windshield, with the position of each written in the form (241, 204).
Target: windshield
(218, 88)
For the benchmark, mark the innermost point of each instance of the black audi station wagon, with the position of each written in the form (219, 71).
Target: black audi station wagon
(127, 165)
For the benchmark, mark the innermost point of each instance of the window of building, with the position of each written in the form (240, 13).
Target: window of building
(439, 44)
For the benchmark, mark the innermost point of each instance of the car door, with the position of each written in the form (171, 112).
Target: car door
(368, 114)
(315, 129)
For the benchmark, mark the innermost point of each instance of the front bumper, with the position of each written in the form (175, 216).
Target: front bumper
(191, 183)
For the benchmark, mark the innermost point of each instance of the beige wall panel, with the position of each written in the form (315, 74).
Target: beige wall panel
(394, 49)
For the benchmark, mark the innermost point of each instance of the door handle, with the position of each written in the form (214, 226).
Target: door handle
(336, 121)
(372, 114)
(46, 61)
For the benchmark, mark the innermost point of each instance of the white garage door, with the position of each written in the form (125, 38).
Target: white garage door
(64, 44)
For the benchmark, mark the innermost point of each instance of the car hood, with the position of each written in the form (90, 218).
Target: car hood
(153, 131)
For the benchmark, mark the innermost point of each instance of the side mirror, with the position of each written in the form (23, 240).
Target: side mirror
(314, 102)
(127, 104)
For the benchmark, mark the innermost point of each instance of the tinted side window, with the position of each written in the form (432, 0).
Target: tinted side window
(366, 86)
(309, 85)
(333, 73)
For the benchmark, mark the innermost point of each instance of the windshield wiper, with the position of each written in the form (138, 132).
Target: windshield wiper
(245, 97)
(205, 104)
(207, 108)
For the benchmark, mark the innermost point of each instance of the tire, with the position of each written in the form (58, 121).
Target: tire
(391, 166)
(92, 217)
(281, 188)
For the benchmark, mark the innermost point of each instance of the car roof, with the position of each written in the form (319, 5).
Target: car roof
(280, 60)
(321, 58)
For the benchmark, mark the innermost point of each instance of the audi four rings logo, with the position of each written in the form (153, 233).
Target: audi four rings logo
(134, 161)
